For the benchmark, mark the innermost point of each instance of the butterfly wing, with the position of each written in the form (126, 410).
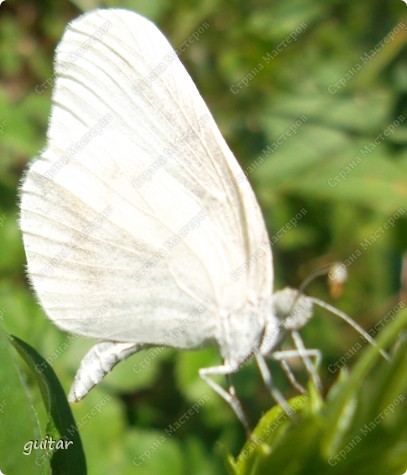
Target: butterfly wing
(135, 217)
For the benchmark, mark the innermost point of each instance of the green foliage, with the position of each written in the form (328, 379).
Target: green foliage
(360, 429)
(16, 411)
(60, 425)
(353, 191)
(60, 428)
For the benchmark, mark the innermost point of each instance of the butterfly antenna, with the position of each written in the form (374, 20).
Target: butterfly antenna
(352, 323)
(335, 271)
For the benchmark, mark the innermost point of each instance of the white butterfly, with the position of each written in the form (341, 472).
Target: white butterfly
(137, 226)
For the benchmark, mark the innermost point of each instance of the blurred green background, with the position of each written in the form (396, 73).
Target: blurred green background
(337, 69)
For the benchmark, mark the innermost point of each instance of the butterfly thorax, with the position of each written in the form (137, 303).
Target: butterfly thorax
(240, 331)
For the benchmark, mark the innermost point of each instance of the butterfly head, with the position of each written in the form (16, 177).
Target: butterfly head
(290, 310)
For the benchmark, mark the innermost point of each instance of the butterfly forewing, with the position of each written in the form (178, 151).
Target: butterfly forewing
(135, 216)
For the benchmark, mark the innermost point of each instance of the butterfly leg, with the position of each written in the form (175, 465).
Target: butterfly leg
(229, 396)
(268, 380)
(283, 356)
(99, 361)
(302, 352)
(291, 378)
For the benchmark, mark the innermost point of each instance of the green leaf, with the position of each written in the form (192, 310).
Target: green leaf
(361, 428)
(16, 411)
(61, 424)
